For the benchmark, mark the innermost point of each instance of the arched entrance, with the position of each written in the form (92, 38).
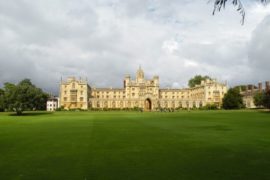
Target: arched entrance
(147, 105)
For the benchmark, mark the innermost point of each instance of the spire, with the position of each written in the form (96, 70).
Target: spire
(140, 73)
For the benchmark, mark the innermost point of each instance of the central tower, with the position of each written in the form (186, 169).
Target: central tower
(140, 75)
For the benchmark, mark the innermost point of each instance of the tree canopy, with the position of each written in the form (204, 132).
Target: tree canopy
(258, 99)
(262, 99)
(23, 96)
(2, 104)
(196, 80)
(233, 99)
(266, 99)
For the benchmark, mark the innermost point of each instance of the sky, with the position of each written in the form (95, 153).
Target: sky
(104, 40)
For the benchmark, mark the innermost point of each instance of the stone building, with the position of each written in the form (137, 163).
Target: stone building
(249, 92)
(139, 92)
(74, 94)
(52, 104)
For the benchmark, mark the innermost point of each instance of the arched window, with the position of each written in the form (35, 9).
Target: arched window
(90, 104)
(194, 104)
(180, 104)
(173, 104)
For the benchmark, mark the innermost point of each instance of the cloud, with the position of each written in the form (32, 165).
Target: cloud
(106, 39)
(259, 51)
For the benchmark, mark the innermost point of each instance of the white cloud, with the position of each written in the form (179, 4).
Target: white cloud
(189, 63)
(104, 40)
(170, 46)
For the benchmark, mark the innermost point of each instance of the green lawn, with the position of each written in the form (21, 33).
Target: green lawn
(132, 145)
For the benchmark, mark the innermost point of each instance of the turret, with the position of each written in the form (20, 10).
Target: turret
(260, 87)
(156, 80)
(126, 80)
(267, 85)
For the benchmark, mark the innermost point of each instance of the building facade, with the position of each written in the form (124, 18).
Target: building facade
(52, 104)
(139, 93)
(250, 91)
(74, 94)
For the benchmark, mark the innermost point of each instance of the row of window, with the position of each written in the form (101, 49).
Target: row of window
(73, 92)
(72, 98)
(162, 104)
(50, 105)
(109, 96)
(107, 92)
(73, 86)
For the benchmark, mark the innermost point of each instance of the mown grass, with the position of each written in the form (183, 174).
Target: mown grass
(133, 145)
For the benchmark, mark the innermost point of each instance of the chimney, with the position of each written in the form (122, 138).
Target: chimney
(267, 85)
(260, 87)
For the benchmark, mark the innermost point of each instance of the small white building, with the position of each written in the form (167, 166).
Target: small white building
(52, 104)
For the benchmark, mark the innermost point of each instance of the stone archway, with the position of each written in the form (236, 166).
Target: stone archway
(147, 105)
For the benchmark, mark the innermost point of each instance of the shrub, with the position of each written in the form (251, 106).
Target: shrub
(210, 107)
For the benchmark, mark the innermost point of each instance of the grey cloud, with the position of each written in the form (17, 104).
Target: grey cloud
(106, 39)
(259, 54)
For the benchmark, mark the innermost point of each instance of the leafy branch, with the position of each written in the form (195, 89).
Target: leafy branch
(221, 4)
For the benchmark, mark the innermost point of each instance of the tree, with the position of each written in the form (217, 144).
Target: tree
(196, 80)
(258, 99)
(233, 99)
(2, 104)
(24, 96)
(219, 4)
(38, 97)
(266, 99)
(242, 87)
(9, 95)
(262, 99)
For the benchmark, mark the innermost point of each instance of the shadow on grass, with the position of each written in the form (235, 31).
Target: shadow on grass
(31, 114)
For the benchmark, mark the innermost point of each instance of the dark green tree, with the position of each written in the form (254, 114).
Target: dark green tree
(233, 99)
(258, 99)
(242, 87)
(196, 80)
(266, 99)
(9, 95)
(2, 103)
(24, 96)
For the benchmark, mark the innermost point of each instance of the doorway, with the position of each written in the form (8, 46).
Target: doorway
(147, 105)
